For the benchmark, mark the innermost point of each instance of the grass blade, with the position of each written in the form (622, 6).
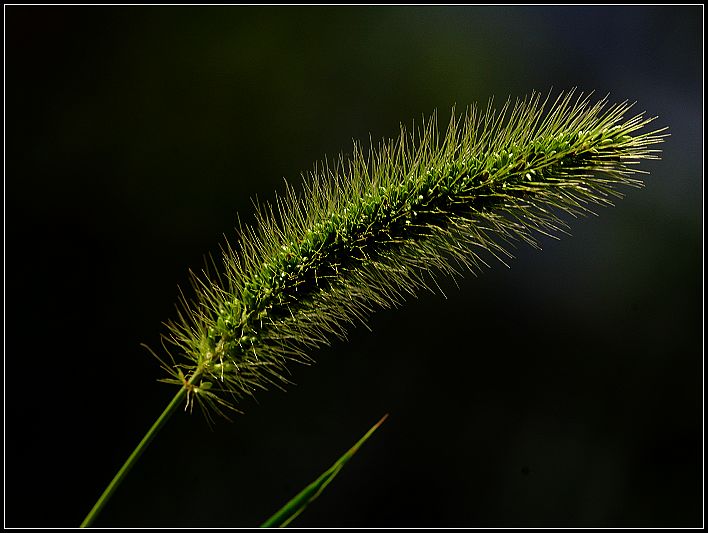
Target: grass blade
(294, 507)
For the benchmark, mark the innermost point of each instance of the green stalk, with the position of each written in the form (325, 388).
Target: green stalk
(137, 452)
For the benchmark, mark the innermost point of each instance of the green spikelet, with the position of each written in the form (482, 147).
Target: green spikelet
(371, 229)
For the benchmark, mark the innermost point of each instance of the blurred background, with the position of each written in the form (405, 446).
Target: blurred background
(564, 391)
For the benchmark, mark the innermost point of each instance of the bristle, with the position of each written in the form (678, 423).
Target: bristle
(375, 228)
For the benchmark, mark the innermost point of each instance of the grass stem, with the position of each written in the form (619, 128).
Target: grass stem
(137, 452)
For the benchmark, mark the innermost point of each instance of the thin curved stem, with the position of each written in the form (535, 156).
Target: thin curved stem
(137, 452)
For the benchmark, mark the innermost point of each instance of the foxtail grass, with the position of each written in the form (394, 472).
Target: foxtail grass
(371, 229)
(368, 230)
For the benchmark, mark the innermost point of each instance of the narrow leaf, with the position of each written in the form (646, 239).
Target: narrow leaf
(294, 507)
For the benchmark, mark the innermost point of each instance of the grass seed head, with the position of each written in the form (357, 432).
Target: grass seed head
(372, 229)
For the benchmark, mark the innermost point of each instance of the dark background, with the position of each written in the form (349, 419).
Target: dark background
(564, 391)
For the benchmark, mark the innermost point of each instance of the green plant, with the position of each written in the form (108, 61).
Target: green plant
(370, 229)
(296, 505)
